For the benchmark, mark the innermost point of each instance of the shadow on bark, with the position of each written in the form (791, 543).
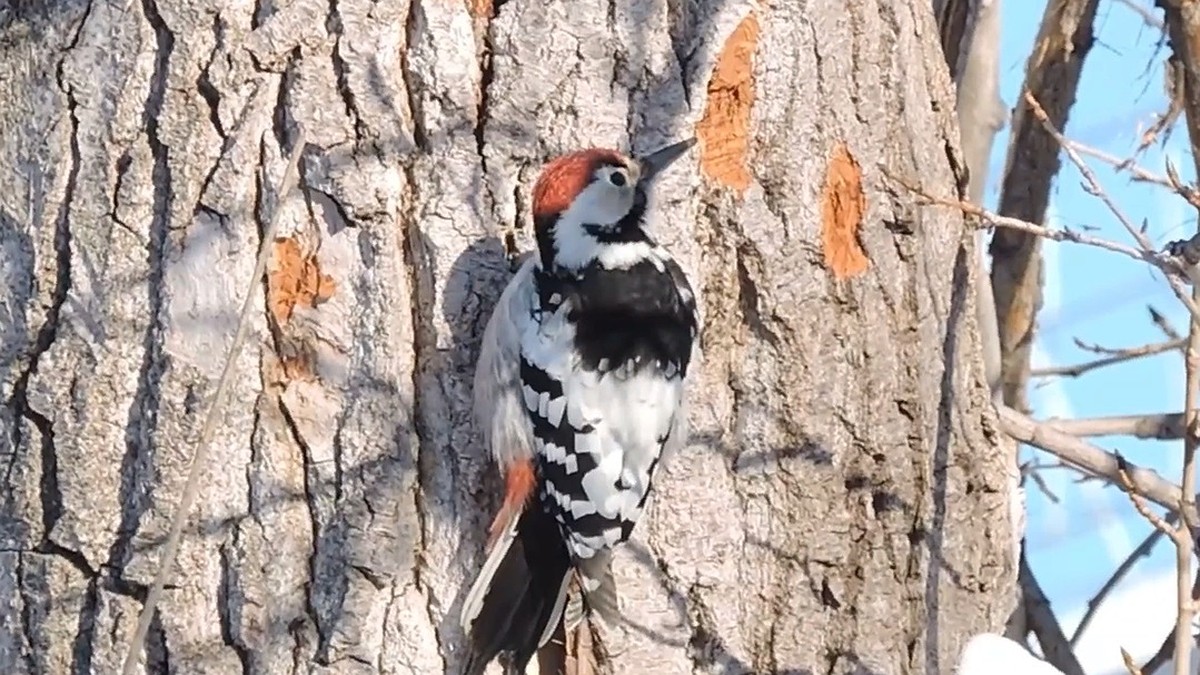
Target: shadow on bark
(941, 460)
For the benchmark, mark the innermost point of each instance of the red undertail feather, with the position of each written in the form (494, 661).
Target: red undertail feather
(518, 597)
(519, 482)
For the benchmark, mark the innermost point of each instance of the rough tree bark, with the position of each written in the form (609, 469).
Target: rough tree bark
(842, 509)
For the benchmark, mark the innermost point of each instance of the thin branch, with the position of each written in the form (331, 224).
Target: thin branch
(1115, 357)
(1096, 189)
(1093, 460)
(1184, 543)
(1137, 172)
(1139, 503)
(1160, 427)
(1031, 470)
(1164, 324)
(1143, 549)
(1183, 30)
(1041, 621)
(192, 485)
(1144, 12)
(1165, 262)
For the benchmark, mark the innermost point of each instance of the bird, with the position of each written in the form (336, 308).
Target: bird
(579, 390)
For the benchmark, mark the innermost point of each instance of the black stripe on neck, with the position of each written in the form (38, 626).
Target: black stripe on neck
(626, 230)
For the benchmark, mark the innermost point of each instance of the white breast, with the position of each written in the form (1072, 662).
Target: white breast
(630, 414)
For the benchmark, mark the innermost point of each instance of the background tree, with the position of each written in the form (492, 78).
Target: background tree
(844, 506)
(1043, 106)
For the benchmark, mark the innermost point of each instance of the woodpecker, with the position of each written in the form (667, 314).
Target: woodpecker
(580, 390)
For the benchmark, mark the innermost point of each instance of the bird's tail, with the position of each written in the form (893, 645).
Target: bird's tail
(517, 600)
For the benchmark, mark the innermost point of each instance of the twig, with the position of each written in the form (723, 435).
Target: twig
(191, 487)
(1092, 460)
(1160, 427)
(1031, 471)
(1129, 664)
(1161, 260)
(1164, 324)
(1138, 173)
(1143, 549)
(1139, 503)
(1096, 189)
(1116, 356)
(1144, 12)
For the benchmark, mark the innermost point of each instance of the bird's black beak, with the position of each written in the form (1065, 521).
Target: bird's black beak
(654, 163)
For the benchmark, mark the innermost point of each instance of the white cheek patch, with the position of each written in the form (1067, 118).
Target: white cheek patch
(599, 204)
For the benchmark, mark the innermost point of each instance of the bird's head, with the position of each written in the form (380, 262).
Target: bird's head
(588, 206)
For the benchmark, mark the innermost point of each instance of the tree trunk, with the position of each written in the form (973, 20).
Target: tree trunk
(843, 507)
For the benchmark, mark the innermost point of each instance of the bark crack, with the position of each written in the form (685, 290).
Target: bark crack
(334, 27)
(311, 489)
(487, 74)
(419, 286)
(204, 84)
(49, 489)
(123, 165)
(229, 601)
(82, 648)
(279, 120)
(27, 619)
(705, 646)
(411, 88)
(748, 297)
(87, 12)
(133, 493)
(414, 261)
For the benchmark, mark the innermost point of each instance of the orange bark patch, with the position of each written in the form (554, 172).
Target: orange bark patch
(843, 204)
(480, 9)
(296, 279)
(724, 131)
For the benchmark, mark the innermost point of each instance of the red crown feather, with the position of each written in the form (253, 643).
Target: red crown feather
(563, 178)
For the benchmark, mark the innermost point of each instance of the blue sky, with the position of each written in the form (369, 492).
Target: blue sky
(1101, 298)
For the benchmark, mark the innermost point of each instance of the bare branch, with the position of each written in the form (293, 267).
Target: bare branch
(1143, 549)
(1091, 459)
(1096, 189)
(1032, 471)
(1183, 30)
(1116, 356)
(1052, 73)
(1164, 324)
(1144, 13)
(1167, 263)
(1041, 621)
(1137, 172)
(1140, 504)
(1160, 427)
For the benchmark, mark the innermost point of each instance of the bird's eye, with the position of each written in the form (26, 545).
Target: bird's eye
(617, 178)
